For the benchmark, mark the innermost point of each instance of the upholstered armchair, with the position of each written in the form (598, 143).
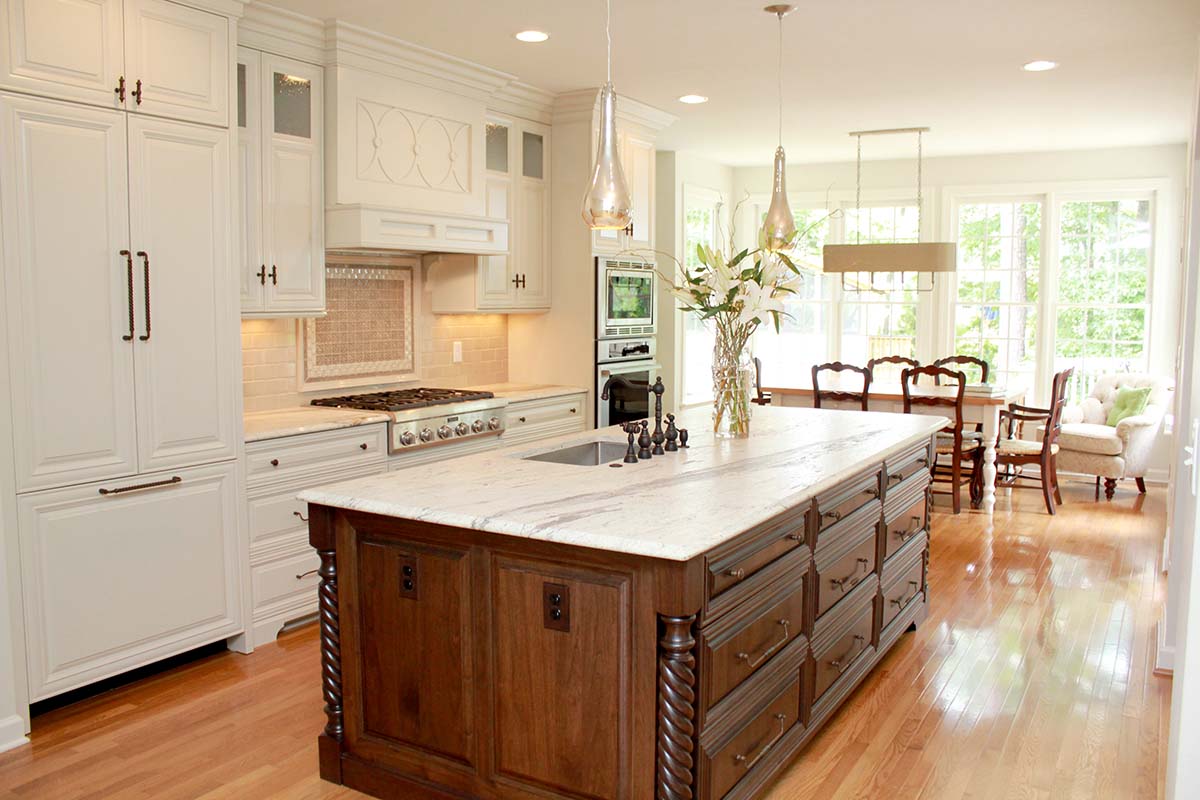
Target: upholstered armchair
(1088, 445)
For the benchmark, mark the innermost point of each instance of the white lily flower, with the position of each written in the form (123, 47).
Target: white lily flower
(757, 302)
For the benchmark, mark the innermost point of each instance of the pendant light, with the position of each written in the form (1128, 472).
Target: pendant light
(607, 204)
(779, 225)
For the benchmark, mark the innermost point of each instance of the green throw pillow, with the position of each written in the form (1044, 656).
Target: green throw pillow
(1129, 403)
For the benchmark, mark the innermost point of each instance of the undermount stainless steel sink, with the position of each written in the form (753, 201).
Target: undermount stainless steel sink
(588, 454)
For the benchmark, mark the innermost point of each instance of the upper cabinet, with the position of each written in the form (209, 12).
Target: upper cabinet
(151, 57)
(280, 155)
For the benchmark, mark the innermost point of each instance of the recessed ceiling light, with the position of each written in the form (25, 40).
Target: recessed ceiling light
(693, 99)
(1039, 66)
(533, 36)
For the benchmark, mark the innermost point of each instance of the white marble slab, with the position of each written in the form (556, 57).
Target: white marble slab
(519, 392)
(260, 425)
(674, 506)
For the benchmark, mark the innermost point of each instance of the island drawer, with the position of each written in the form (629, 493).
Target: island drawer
(905, 587)
(835, 654)
(292, 456)
(904, 521)
(731, 748)
(841, 568)
(906, 465)
(737, 644)
(731, 565)
(530, 420)
(291, 578)
(833, 506)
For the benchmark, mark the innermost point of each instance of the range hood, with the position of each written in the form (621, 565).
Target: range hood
(404, 148)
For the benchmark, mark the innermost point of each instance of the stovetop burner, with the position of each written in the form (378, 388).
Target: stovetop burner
(402, 399)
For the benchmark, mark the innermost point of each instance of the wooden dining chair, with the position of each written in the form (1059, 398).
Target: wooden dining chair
(904, 360)
(759, 398)
(950, 362)
(962, 449)
(820, 394)
(1013, 452)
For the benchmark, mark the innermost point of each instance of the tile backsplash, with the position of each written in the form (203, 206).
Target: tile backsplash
(270, 367)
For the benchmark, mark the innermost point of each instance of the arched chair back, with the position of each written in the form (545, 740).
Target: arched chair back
(891, 365)
(968, 361)
(844, 391)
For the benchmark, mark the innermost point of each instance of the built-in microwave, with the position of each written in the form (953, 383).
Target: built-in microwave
(627, 298)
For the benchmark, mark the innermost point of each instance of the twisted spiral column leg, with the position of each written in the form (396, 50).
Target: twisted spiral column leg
(676, 709)
(331, 644)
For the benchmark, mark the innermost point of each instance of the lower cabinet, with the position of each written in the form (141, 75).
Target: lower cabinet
(117, 575)
(530, 420)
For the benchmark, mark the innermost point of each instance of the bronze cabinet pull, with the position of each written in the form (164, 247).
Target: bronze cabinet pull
(120, 90)
(301, 516)
(137, 92)
(139, 486)
(142, 254)
(748, 762)
(274, 462)
(896, 601)
(274, 274)
(573, 411)
(795, 537)
(765, 654)
(833, 515)
(898, 476)
(852, 578)
(304, 575)
(519, 281)
(262, 275)
(918, 526)
(363, 446)
(737, 574)
(129, 279)
(841, 662)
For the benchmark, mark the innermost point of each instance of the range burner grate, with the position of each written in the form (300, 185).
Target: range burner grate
(402, 399)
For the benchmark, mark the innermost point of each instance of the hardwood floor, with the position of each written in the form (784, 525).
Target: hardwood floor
(1032, 678)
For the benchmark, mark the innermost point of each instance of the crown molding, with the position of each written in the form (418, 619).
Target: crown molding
(226, 8)
(525, 101)
(282, 32)
(583, 105)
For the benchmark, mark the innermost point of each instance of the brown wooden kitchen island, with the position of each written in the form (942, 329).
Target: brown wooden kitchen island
(507, 636)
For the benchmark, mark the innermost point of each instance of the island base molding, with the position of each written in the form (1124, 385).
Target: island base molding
(463, 664)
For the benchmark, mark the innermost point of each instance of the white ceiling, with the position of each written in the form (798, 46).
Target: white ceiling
(1126, 75)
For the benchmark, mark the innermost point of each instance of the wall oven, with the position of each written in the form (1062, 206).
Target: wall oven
(627, 298)
(625, 404)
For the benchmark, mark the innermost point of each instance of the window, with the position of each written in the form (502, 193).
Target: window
(999, 275)
(701, 218)
(879, 317)
(802, 340)
(1102, 306)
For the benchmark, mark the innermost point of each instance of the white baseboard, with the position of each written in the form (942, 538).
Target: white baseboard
(1164, 657)
(12, 733)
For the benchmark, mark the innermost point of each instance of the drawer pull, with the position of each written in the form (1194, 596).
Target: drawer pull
(833, 515)
(841, 662)
(875, 492)
(304, 575)
(795, 537)
(896, 601)
(853, 578)
(896, 477)
(301, 516)
(765, 654)
(274, 462)
(139, 486)
(748, 762)
(737, 574)
(363, 446)
(573, 411)
(918, 526)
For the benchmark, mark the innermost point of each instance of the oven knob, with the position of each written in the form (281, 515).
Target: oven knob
(478, 425)
(494, 423)
(462, 429)
(408, 437)
(427, 435)
(445, 432)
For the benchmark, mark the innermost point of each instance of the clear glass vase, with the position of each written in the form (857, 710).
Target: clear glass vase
(733, 384)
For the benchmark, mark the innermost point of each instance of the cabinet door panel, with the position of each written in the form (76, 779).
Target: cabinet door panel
(119, 580)
(639, 171)
(249, 157)
(293, 183)
(181, 56)
(179, 178)
(532, 245)
(63, 48)
(65, 208)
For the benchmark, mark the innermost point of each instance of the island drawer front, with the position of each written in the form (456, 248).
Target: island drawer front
(287, 579)
(906, 521)
(839, 503)
(838, 572)
(278, 459)
(535, 419)
(731, 566)
(904, 466)
(739, 643)
(835, 657)
(906, 588)
(753, 741)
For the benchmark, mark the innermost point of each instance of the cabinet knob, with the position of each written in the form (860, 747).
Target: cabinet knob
(737, 574)
(274, 462)
(363, 446)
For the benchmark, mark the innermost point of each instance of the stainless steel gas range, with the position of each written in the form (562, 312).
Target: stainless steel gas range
(424, 418)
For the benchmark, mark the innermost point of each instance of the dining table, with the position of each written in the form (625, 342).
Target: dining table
(978, 409)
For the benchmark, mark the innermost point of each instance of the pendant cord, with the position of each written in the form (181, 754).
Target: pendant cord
(780, 75)
(608, 34)
(919, 203)
(858, 194)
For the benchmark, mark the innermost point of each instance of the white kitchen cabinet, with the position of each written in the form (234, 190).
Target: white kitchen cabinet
(152, 57)
(179, 179)
(281, 186)
(122, 573)
(70, 311)
(518, 191)
(531, 420)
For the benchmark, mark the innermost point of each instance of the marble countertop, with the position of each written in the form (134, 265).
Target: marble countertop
(260, 425)
(518, 392)
(675, 506)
